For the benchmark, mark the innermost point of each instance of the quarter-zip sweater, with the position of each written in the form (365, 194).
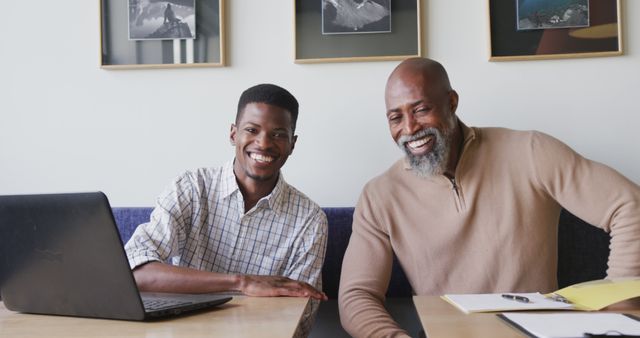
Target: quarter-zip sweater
(491, 228)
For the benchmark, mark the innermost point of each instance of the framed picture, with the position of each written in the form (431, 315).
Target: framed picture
(161, 33)
(356, 30)
(552, 29)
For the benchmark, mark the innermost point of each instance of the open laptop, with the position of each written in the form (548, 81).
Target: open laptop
(62, 254)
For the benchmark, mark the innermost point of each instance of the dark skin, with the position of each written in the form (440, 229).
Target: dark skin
(264, 139)
(417, 96)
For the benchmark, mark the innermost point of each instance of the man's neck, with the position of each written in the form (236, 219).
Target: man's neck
(253, 190)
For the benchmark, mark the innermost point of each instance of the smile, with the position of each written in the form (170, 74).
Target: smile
(420, 143)
(261, 158)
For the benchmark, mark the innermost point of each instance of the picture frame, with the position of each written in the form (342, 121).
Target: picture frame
(356, 30)
(545, 37)
(143, 34)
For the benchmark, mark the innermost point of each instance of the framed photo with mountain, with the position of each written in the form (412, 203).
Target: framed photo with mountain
(356, 30)
(161, 33)
(553, 29)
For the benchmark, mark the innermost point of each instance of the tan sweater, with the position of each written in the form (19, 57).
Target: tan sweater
(495, 232)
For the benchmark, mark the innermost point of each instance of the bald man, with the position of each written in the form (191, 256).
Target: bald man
(472, 210)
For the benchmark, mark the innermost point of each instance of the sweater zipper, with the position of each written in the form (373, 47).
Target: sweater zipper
(457, 198)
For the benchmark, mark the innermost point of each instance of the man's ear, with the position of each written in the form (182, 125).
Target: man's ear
(232, 134)
(453, 101)
(293, 143)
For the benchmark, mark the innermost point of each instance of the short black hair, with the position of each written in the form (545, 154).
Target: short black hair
(272, 95)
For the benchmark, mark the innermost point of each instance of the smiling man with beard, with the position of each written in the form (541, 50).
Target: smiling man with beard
(238, 227)
(472, 210)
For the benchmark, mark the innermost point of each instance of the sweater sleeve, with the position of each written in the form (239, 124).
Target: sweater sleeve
(366, 271)
(597, 194)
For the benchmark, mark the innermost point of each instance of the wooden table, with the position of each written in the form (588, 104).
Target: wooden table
(241, 317)
(441, 320)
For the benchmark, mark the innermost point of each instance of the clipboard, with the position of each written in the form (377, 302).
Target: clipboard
(573, 324)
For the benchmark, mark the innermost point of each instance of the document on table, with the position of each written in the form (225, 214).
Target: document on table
(573, 324)
(495, 302)
(587, 296)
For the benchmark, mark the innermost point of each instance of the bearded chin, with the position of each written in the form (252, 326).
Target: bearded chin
(432, 163)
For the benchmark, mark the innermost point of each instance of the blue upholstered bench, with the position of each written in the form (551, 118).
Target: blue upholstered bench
(582, 251)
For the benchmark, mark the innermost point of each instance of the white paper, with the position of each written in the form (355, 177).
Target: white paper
(494, 302)
(574, 324)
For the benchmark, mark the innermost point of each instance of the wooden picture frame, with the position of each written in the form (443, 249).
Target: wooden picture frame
(600, 36)
(323, 33)
(117, 51)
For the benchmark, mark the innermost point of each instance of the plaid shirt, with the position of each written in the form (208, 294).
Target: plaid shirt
(199, 222)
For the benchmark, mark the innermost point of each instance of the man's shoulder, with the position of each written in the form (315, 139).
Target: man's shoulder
(501, 133)
(388, 177)
(294, 195)
(298, 202)
(206, 175)
(519, 140)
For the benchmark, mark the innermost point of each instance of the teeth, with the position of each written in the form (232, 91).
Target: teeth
(261, 158)
(419, 142)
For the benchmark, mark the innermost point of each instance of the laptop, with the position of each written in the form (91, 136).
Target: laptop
(61, 254)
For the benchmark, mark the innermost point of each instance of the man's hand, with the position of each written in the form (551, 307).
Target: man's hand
(270, 286)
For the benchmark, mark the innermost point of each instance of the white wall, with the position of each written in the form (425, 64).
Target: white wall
(67, 125)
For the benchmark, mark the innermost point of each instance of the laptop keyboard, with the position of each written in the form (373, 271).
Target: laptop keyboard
(159, 304)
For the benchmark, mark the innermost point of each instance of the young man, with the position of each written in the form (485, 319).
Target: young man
(472, 210)
(238, 227)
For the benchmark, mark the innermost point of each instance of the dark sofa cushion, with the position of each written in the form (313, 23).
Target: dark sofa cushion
(583, 250)
(128, 220)
(340, 220)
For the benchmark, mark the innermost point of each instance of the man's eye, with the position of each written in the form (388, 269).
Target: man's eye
(394, 118)
(250, 130)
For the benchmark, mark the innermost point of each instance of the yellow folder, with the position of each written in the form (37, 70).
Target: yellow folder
(598, 294)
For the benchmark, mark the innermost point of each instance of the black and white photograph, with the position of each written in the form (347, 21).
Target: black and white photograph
(162, 20)
(356, 16)
(546, 14)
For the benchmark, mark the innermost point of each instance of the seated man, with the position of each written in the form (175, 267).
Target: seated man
(238, 227)
(472, 210)
(170, 16)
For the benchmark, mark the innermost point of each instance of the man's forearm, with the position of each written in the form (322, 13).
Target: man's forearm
(362, 315)
(160, 277)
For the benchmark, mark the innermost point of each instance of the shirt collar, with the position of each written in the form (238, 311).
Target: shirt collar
(274, 200)
(276, 197)
(229, 183)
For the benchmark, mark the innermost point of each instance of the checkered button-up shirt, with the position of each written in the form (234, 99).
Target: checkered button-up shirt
(199, 222)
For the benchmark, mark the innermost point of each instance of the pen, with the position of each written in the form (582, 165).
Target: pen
(517, 298)
(558, 298)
